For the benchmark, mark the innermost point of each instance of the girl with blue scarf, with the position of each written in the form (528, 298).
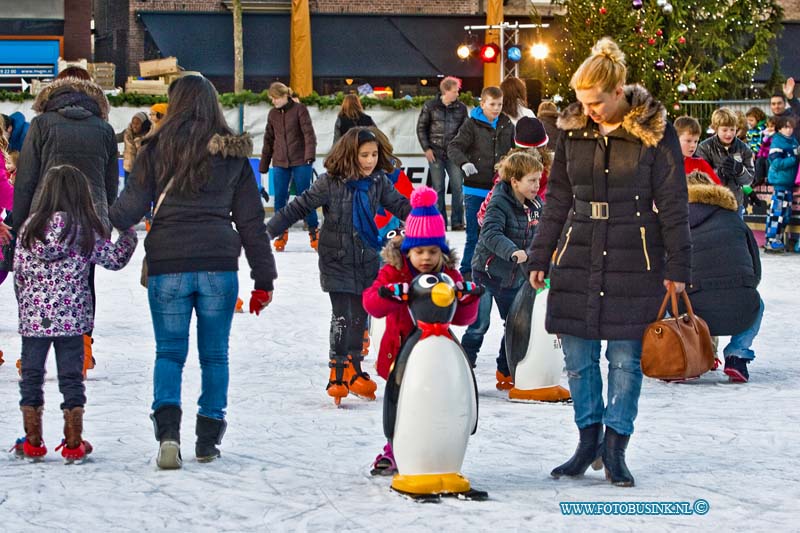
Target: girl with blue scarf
(350, 192)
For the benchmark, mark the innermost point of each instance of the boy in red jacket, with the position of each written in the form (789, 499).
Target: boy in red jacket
(689, 135)
(422, 250)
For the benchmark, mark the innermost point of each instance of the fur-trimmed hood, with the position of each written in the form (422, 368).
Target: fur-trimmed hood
(392, 255)
(712, 195)
(646, 120)
(231, 145)
(705, 200)
(89, 88)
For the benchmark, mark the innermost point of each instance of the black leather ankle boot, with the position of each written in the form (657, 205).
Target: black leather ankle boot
(589, 451)
(614, 459)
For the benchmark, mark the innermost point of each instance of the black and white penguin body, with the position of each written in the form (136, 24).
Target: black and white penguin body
(431, 401)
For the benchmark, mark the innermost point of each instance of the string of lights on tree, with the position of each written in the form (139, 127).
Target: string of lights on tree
(678, 50)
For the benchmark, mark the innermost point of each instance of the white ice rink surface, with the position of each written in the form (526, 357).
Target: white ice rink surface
(292, 461)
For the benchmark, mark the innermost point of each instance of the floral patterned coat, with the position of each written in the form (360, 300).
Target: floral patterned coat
(52, 281)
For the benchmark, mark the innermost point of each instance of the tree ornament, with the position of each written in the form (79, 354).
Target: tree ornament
(660, 65)
(651, 41)
(659, 32)
(676, 106)
(661, 3)
(682, 40)
(637, 4)
(692, 86)
(667, 9)
(603, 11)
(682, 88)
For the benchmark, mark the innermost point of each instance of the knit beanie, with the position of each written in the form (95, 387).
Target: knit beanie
(141, 115)
(530, 133)
(159, 108)
(424, 226)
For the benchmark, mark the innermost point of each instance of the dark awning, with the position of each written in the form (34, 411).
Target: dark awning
(342, 45)
(788, 54)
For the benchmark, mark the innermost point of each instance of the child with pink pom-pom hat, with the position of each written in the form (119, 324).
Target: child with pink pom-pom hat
(422, 249)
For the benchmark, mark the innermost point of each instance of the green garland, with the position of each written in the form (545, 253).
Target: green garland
(251, 98)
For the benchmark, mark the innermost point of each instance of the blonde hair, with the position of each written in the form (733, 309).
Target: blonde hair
(605, 68)
(450, 82)
(277, 89)
(518, 164)
(724, 117)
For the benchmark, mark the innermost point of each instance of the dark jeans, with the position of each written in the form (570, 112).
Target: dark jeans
(472, 204)
(473, 337)
(348, 320)
(456, 175)
(69, 360)
(301, 175)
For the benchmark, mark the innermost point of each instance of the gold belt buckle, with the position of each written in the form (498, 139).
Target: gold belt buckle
(599, 210)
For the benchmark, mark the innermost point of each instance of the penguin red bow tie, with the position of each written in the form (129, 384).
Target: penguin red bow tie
(434, 330)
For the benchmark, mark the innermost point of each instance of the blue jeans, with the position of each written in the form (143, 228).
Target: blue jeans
(582, 357)
(473, 337)
(301, 175)
(473, 205)
(456, 175)
(212, 295)
(740, 343)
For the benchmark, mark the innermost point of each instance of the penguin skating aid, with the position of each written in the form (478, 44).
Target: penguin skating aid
(431, 402)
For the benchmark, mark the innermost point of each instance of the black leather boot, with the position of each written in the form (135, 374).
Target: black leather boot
(614, 458)
(588, 452)
(209, 433)
(167, 426)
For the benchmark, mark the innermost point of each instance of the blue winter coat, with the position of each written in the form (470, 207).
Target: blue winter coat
(782, 162)
(19, 132)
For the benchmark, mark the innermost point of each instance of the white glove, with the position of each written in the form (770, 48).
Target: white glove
(469, 169)
(797, 151)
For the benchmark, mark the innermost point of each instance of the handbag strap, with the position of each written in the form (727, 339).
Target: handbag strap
(672, 297)
(161, 198)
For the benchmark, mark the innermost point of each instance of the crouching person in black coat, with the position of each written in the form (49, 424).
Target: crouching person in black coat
(614, 254)
(726, 270)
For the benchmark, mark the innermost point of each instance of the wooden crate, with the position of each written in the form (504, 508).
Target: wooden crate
(38, 85)
(63, 64)
(157, 67)
(103, 74)
(151, 87)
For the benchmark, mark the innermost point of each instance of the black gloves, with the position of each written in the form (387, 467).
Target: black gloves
(732, 168)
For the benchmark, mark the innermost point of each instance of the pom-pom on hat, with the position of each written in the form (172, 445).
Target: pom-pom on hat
(425, 225)
(530, 133)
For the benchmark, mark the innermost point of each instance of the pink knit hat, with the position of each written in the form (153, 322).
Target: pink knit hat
(425, 225)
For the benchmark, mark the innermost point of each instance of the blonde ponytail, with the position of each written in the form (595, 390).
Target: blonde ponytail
(605, 68)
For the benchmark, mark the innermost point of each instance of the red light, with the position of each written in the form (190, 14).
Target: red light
(489, 53)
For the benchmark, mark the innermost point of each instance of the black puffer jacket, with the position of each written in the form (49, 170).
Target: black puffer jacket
(71, 130)
(508, 226)
(726, 267)
(714, 152)
(345, 263)
(438, 125)
(206, 231)
(548, 120)
(483, 146)
(344, 124)
(607, 278)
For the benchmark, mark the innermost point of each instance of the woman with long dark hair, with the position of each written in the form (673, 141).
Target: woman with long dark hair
(351, 115)
(198, 170)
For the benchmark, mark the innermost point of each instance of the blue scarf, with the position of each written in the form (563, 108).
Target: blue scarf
(363, 217)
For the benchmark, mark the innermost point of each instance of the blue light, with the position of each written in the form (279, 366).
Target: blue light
(514, 53)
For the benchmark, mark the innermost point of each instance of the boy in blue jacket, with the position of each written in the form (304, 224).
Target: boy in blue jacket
(783, 160)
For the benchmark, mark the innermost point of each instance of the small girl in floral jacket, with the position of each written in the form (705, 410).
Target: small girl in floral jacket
(55, 248)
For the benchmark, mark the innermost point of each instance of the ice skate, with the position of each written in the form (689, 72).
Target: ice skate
(359, 382)
(313, 237)
(88, 357)
(31, 446)
(504, 382)
(280, 242)
(384, 464)
(337, 384)
(73, 448)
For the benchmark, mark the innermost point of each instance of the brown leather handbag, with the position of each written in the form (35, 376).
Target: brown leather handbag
(678, 347)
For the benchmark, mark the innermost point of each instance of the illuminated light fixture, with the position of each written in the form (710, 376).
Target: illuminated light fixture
(540, 51)
(489, 53)
(463, 51)
(514, 53)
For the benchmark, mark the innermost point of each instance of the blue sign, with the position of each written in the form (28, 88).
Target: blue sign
(27, 71)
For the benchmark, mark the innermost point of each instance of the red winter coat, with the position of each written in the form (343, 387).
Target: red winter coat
(696, 163)
(398, 319)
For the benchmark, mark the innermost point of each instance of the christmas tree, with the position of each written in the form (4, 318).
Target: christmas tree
(704, 49)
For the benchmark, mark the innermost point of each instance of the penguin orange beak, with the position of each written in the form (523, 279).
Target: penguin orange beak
(442, 294)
